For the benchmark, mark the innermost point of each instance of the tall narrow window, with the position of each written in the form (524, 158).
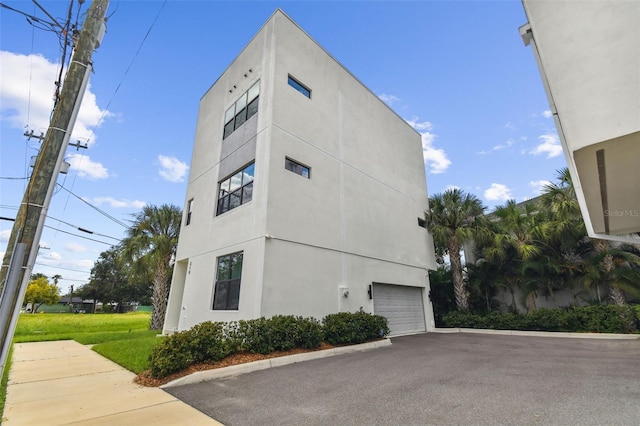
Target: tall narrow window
(226, 294)
(299, 87)
(189, 210)
(235, 190)
(243, 109)
(296, 167)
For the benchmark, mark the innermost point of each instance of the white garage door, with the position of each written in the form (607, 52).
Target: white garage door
(401, 305)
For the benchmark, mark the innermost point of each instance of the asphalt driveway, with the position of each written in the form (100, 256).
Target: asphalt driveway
(439, 379)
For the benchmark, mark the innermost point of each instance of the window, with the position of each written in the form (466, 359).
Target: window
(296, 167)
(235, 190)
(226, 295)
(242, 110)
(422, 222)
(299, 87)
(189, 210)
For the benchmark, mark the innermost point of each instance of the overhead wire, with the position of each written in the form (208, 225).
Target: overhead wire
(115, 92)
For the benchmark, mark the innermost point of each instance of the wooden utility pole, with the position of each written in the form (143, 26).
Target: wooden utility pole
(24, 241)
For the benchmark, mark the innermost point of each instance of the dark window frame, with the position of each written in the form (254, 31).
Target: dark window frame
(189, 210)
(297, 167)
(422, 223)
(248, 109)
(226, 292)
(293, 82)
(242, 193)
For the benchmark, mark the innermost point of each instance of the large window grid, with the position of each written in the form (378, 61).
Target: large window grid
(235, 190)
(242, 110)
(226, 295)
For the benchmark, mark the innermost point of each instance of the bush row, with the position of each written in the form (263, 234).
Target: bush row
(597, 318)
(213, 341)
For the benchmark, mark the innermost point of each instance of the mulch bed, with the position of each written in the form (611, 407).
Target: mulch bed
(145, 378)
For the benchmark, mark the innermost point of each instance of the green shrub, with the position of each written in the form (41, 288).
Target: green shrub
(280, 333)
(596, 318)
(205, 342)
(358, 327)
(172, 355)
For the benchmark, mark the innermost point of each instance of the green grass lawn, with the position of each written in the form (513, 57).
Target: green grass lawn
(123, 338)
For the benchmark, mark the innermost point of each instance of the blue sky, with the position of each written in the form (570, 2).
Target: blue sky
(457, 71)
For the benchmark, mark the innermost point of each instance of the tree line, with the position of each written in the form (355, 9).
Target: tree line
(530, 249)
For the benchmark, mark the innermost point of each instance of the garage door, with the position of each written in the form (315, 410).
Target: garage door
(401, 305)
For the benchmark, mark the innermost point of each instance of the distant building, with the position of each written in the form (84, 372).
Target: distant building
(306, 195)
(588, 53)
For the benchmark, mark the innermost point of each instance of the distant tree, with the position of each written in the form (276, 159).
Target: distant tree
(40, 291)
(150, 248)
(454, 218)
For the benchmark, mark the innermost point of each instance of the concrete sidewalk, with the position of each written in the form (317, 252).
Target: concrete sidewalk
(66, 383)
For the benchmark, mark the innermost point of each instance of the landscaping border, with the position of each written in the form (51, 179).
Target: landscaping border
(236, 370)
(564, 334)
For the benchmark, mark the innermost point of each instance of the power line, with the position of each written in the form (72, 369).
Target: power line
(60, 267)
(32, 18)
(102, 212)
(83, 229)
(135, 56)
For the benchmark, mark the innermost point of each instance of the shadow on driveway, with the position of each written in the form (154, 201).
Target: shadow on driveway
(439, 379)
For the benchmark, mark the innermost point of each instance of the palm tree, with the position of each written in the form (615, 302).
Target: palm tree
(454, 218)
(518, 230)
(150, 247)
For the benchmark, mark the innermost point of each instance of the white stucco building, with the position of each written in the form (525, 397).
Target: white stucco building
(588, 54)
(305, 195)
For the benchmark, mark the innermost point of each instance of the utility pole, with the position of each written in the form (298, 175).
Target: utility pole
(22, 247)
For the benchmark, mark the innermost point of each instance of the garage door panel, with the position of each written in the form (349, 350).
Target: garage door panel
(402, 306)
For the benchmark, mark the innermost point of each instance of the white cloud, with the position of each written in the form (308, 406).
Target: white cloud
(550, 145)
(26, 95)
(538, 185)
(52, 256)
(5, 234)
(498, 192)
(547, 114)
(87, 168)
(118, 204)
(509, 143)
(388, 99)
(172, 169)
(510, 126)
(436, 158)
(75, 247)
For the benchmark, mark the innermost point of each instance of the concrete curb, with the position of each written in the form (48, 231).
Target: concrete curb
(235, 370)
(541, 333)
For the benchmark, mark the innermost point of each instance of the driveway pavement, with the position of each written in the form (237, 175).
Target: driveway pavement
(439, 379)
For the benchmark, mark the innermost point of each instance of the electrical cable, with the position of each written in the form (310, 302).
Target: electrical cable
(79, 228)
(31, 18)
(102, 212)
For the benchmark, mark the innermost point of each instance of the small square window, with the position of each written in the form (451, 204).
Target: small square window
(296, 167)
(422, 222)
(300, 87)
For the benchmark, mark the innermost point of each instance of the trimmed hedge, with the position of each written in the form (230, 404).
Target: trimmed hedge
(596, 318)
(347, 327)
(213, 341)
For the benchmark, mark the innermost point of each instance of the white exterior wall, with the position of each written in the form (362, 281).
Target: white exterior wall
(588, 53)
(305, 241)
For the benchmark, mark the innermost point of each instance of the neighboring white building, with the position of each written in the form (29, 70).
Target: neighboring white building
(306, 195)
(588, 53)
